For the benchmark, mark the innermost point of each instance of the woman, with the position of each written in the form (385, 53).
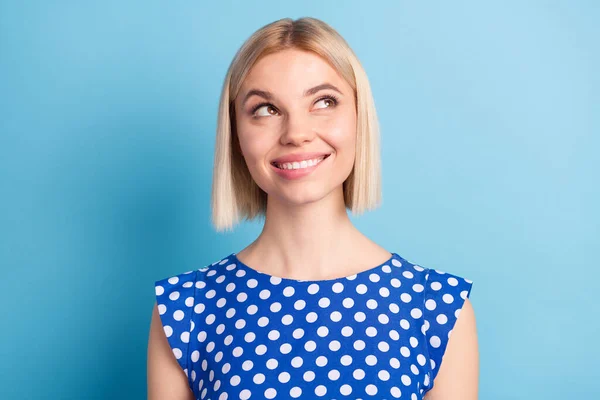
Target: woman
(312, 308)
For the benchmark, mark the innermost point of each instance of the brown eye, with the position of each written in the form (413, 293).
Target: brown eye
(329, 102)
(270, 110)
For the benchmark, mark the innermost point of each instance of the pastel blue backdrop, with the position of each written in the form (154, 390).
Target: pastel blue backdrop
(490, 122)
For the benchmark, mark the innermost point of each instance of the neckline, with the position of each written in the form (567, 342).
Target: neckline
(265, 275)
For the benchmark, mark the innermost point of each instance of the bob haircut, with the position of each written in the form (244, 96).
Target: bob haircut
(234, 192)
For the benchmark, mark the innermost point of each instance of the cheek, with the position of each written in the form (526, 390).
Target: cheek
(341, 133)
(255, 142)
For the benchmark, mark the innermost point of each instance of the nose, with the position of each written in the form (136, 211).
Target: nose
(297, 129)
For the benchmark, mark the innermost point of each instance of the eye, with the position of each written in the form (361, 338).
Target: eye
(329, 99)
(269, 110)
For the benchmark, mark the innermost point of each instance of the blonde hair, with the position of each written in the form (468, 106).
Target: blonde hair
(234, 192)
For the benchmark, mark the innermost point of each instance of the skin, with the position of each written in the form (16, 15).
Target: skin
(307, 232)
(306, 221)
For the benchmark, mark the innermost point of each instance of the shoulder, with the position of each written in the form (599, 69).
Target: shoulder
(176, 300)
(445, 299)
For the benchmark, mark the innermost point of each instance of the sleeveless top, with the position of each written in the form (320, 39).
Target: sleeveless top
(239, 333)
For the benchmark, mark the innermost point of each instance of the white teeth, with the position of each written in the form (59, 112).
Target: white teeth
(300, 164)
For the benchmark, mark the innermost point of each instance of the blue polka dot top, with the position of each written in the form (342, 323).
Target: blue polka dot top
(239, 333)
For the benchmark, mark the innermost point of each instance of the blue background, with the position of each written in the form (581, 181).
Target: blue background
(490, 121)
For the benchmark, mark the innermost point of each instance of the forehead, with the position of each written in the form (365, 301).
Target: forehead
(291, 70)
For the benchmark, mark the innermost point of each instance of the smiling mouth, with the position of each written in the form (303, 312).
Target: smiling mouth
(300, 164)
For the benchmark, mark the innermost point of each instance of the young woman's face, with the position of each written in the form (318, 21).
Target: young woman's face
(293, 103)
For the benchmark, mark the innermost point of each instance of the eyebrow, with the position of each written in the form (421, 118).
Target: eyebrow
(269, 96)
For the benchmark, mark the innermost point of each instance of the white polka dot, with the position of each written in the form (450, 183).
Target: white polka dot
(299, 304)
(361, 288)
(371, 360)
(312, 288)
(448, 298)
(359, 344)
(336, 316)
(174, 295)
(252, 309)
(435, 341)
(324, 302)
(310, 345)
(311, 316)
(358, 374)
(159, 290)
(333, 375)
(441, 319)
(264, 294)
(285, 348)
(284, 377)
(345, 389)
(405, 380)
(337, 287)
(273, 334)
(413, 341)
(298, 333)
(323, 331)
(178, 315)
(383, 346)
(177, 352)
(252, 283)
(452, 281)
(270, 393)
(272, 363)
(247, 365)
(173, 280)
(288, 291)
(348, 302)
(371, 389)
(275, 280)
(245, 394)
(261, 349)
(185, 337)
(360, 316)
(275, 307)
(297, 362)
(396, 263)
(308, 376)
(346, 360)
(320, 390)
(168, 330)
(321, 361)
(374, 278)
(405, 351)
(295, 392)
(347, 331)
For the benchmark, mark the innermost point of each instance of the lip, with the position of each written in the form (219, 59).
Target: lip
(298, 173)
(299, 157)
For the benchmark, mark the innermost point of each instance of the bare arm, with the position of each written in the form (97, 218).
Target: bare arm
(166, 380)
(458, 376)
